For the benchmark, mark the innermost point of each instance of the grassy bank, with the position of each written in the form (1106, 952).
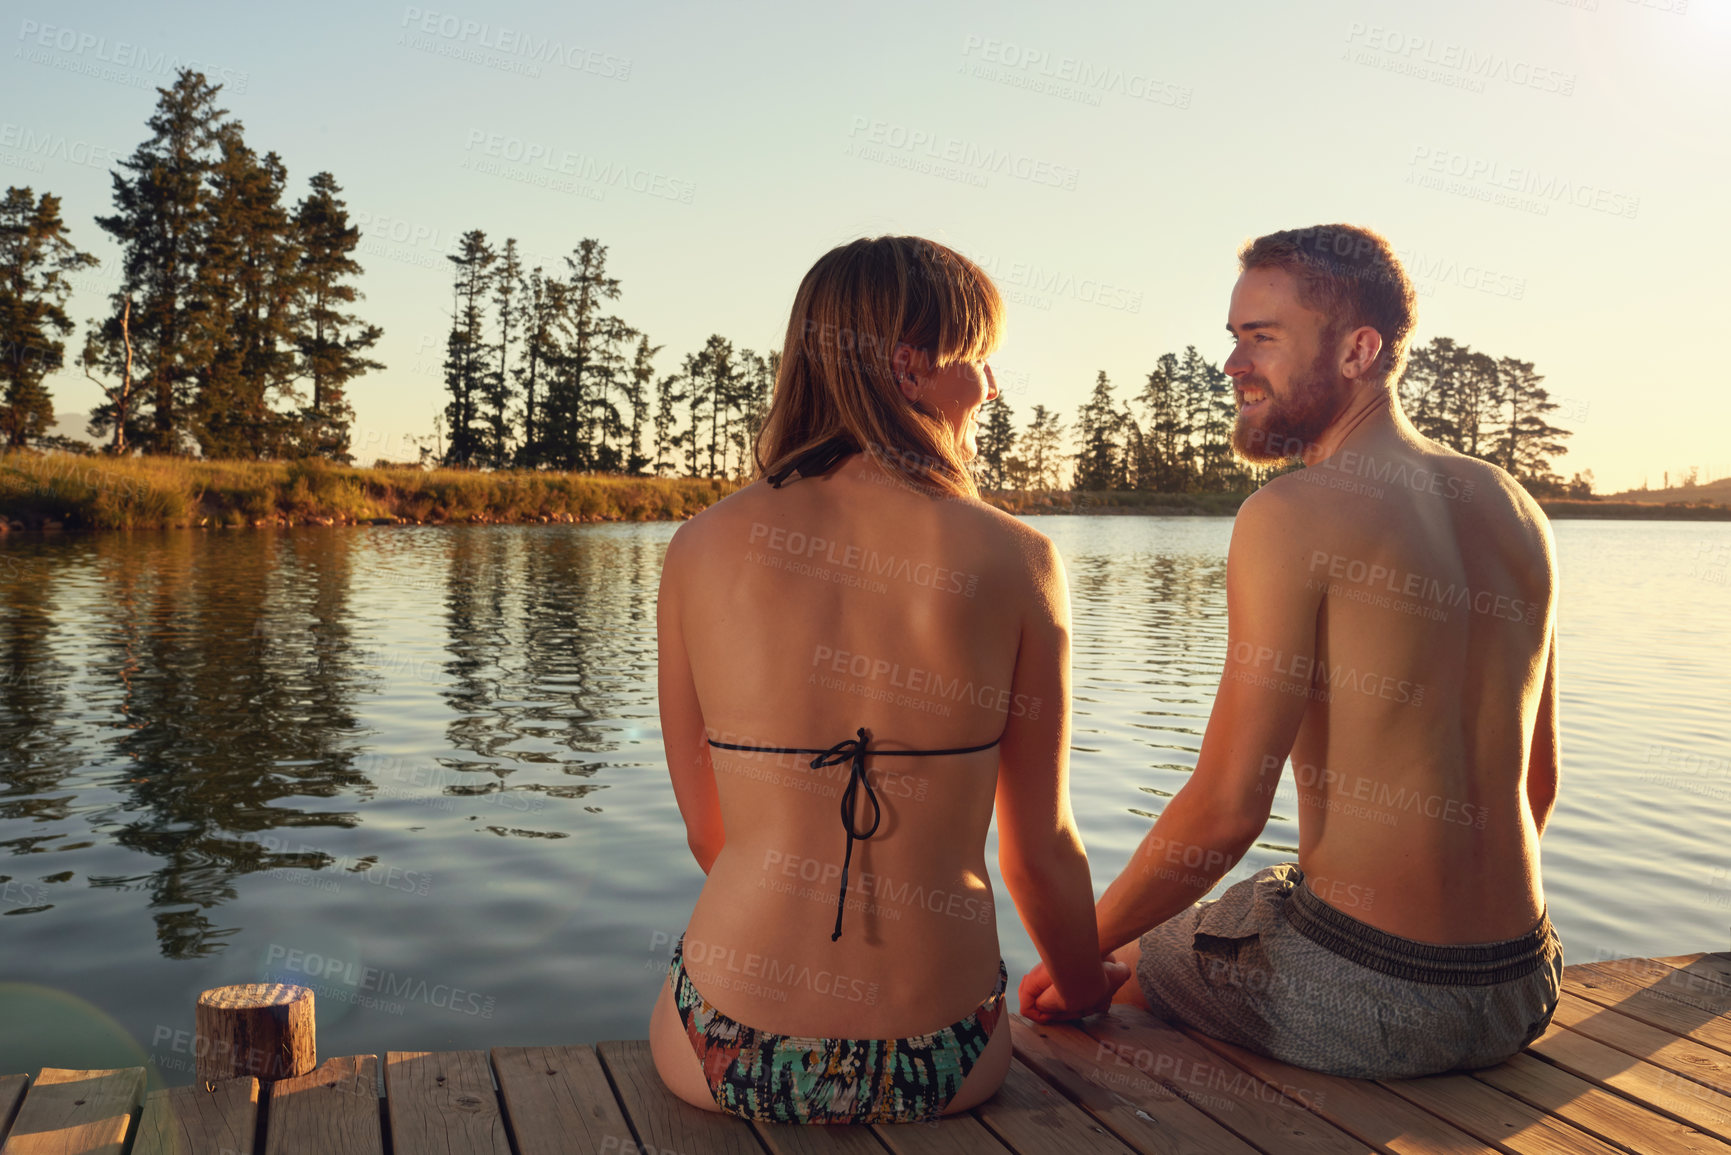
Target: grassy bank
(49, 490)
(62, 490)
(1639, 510)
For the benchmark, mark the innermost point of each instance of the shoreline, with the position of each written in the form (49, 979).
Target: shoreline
(63, 491)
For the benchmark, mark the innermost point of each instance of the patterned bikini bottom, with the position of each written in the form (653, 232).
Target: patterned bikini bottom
(794, 1079)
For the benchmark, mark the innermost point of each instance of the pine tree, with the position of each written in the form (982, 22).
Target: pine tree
(466, 361)
(249, 287)
(1479, 403)
(543, 304)
(668, 436)
(713, 374)
(754, 384)
(1164, 467)
(496, 390)
(589, 363)
(1099, 451)
(161, 221)
(996, 440)
(1043, 449)
(1528, 440)
(331, 342)
(35, 258)
(637, 401)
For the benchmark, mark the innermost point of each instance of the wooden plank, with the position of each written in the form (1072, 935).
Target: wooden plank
(1716, 966)
(1264, 1117)
(1704, 1065)
(796, 1139)
(12, 1088)
(1695, 984)
(558, 1100)
(444, 1101)
(75, 1112)
(191, 1120)
(1029, 1115)
(1363, 1109)
(1503, 1121)
(1655, 1008)
(960, 1134)
(1136, 1108)
(1654, 1087)
(331, 1110)
(1596, 1110)
(660, 1119)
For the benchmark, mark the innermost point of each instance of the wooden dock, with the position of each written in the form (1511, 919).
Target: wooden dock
(1638, 1059)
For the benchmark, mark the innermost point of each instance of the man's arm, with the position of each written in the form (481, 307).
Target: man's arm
(1544, 766)
(1271, 611)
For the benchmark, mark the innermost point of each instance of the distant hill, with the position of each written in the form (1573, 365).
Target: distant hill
(1714, 492)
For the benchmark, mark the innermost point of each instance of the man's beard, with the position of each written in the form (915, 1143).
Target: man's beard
(1286, 425)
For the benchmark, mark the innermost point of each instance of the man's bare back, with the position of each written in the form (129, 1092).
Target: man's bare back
(1435, 589)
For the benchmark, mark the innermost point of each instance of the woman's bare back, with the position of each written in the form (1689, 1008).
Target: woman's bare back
(807, 613)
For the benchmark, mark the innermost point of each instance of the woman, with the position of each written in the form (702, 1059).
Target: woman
(858, 632)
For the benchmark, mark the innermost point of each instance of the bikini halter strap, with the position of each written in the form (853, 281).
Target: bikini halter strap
(854, 752)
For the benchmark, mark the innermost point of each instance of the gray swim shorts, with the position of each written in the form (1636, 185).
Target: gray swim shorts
(1273, 968)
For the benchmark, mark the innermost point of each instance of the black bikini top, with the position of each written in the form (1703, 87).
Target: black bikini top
(852, 750)
(817, 460)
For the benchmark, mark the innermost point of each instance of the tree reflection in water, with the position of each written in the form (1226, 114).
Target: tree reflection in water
(218, 687)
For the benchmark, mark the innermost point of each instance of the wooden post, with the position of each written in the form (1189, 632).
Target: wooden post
(260, 1029)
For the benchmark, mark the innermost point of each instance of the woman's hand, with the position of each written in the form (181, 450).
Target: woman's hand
(1042, 1003)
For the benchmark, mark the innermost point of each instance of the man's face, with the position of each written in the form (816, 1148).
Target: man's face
(1282, 366)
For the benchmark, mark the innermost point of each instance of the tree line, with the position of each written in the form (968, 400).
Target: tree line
(230, 333)
(1174, 435)
(542, 373)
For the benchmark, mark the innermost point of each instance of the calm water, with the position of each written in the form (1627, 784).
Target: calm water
(420, 770)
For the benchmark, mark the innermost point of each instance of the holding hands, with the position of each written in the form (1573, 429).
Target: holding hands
(1042, 1002)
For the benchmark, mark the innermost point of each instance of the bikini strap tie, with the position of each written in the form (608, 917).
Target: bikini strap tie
(853, 751)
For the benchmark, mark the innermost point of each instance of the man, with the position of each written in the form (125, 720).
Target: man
(1392, 627)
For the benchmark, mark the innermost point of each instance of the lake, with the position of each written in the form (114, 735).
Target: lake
(419, 768)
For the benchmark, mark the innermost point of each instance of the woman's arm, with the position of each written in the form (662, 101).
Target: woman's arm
(682, 730)
(1039, 849)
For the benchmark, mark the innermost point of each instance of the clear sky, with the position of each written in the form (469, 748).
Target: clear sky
(1554, 172)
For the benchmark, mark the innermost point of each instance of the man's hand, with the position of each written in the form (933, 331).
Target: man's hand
(1042, 1003)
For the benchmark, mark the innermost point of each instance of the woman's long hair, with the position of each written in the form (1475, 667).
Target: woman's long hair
(836, 381)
